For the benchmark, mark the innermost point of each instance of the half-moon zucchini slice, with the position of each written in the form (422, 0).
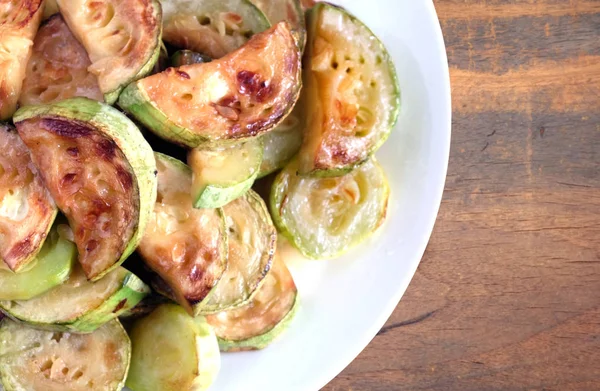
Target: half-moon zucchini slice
(222, 174)
(324, 217)
(241, 95)
(26, 208)
(122, 38)
(352, 94)
(264, 318)
(173, 352)
(211, 27)
(58, 67)
(252, 242)
(19, 21)
(32, 359)
(288, 10)
(79, 305)
(186, 247)
(52, 267)
(99, 170)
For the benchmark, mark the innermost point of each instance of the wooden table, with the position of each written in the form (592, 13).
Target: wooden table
(507, 296)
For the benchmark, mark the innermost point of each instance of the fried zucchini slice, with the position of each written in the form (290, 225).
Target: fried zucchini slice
(241, 95)
(352, 94)
(100, 171)
(58, 67)
(252, 242)
(19, 21)
(79, 305)
(32, 359)
(288, 10)
(26, 208)
(211, 27)
(324, 217)
(220, 175)
(186, 247)
(52, 267)
(282, 143)
(122, 38)
(188, 57)
(172, 352)
(264, 318)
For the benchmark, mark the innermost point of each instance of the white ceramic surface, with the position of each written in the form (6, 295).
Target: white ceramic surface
(346, 301)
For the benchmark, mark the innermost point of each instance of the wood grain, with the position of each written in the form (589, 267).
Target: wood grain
(507, 296)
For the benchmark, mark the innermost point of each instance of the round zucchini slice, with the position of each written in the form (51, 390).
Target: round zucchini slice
(288, 10)
(264, 318)
(32, 359)
(26, 207)
(79, 305)
(282, 143)
(223, 174)
(252, 241)
(211, 27)
(324, 217)
(19, 21)
(172, 352)
(122, 38)
(100, 171)
(352, 94)
(58, 67)
(241, 95)
(51, 267)
(188, 57)
(186, 247)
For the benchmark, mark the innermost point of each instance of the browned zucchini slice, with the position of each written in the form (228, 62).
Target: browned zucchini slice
(243, 94)
(186, 247)
(288, 10)
(19, 21)
(58, 67)
(26, 208)
(122, 38)
(99, 170)
(264, 318)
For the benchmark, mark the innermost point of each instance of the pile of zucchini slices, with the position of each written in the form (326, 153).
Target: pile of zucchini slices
(133, 134)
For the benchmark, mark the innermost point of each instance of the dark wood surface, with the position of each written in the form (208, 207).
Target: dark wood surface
(507, 296)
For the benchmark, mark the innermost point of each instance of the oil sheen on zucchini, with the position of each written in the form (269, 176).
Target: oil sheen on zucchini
(324, 217)
(79, 305)
(26, 208)
(122, 38)
(264, 318)
(252, 241)
(100, 171)
(352, 93)
(51, 267)
(36, 360)
(19, 21)
(242, 95)
(58, 67)
(186, 247)
(172, 352)
(211, 27)
(220, 175)
(288, 10)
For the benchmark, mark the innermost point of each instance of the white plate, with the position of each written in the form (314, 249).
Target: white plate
(346, 301)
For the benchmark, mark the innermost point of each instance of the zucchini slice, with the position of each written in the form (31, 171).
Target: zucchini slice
(211, 27)
(241, 95)
(288, 10)
(264, 318)
(79, 305)
(282, 143)
(19, 21)
(173, 352)
(252, 241)
(122, 38)
(324, 217)
(26, 207)
(51, 267)
(39, 360)
(100, 171)
(188, 57)
(352, 94)
(186, 247)
(223, 174)
(58, 67)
